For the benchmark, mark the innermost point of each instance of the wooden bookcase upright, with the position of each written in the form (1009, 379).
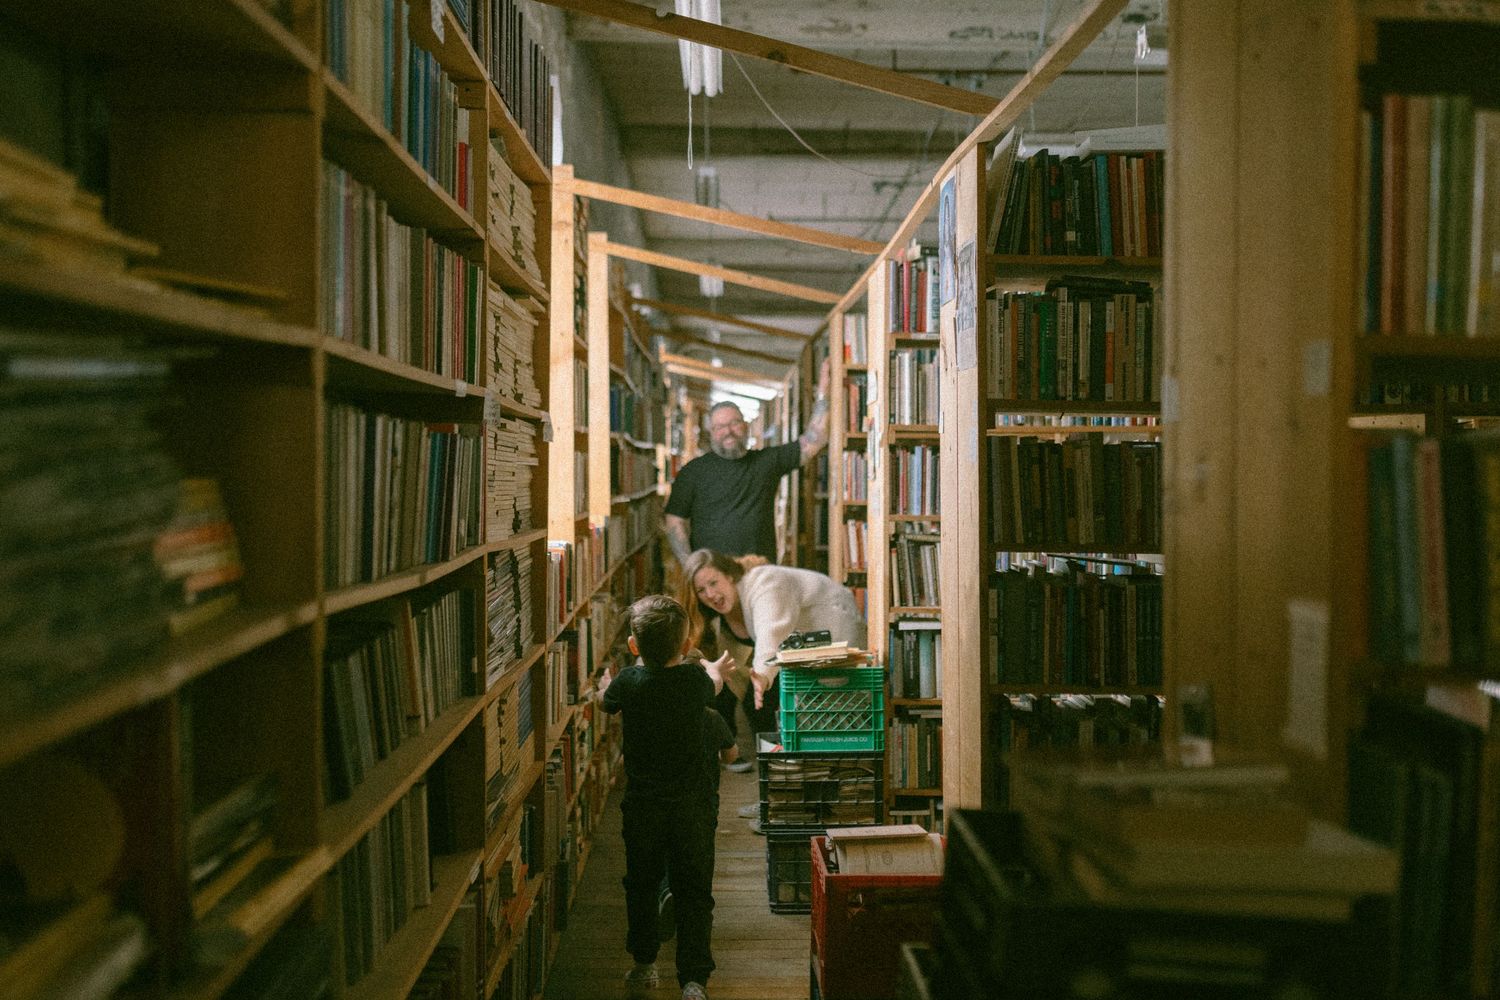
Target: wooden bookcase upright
(248, 690)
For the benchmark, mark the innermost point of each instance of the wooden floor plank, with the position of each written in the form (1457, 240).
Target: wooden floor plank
(760, 955)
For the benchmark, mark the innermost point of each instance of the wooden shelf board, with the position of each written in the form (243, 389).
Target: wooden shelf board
(917, 702)
(169, 28)
(513, 673)
(521, 541)
(926, 793)
(516, 408)
(1073, 407)
(344, 823)
(453, 51)
(856, 435)
(269, 911)
(402, 958)
(397, 583)
(915, 610)
(373, 156)
(624, 438)
(352, 365)
(1429, 10)
(848, 502)
(508, 273)
(522, 158)
(914, 518)
(181, 660)
(1419, 347)
(1066, 551)
(856, 368)
(57, 295)
(1053, 264)
(901, 338)
(555, 733)
(1012, 431)
(640, 494)
(912, 432)
(1003, 689)
(501, 833)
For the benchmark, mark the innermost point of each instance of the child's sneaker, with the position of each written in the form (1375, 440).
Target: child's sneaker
(666, 916)
(694, 991)
(641, 978)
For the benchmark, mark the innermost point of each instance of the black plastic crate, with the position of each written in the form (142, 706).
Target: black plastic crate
(820, 788)
(1005, 933)
(789, 868)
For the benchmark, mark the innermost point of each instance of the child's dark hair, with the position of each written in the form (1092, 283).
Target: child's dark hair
(659, 625)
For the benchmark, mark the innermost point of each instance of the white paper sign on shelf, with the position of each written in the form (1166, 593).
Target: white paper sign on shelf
(491, 406)
(1307, 676)
(435, 7)
(461, 388)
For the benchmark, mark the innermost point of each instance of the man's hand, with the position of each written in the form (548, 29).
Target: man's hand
(762, 684)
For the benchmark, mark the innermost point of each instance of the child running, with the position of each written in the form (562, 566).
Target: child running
(668, 826)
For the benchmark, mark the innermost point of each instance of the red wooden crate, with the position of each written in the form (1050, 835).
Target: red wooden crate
(859, 923)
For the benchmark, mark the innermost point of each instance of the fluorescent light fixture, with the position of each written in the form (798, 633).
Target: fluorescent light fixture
(702, 65)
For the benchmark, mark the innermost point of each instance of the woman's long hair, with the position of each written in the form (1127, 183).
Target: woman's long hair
(700, 615)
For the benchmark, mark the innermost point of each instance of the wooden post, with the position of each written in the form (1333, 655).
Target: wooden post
(599, 361)
(562, 509)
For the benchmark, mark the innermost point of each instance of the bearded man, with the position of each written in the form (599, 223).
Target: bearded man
(725, 499)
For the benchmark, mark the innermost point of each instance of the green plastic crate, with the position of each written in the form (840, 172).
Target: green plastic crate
(833, 708)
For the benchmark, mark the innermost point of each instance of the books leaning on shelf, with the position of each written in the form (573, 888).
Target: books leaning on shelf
(228, 842)
(199, 557)
(855, 352)
(915, 558)
(914, 386)
(391, 288)
(857, 402)
(912, 276)
(1430, 216)
(916, 658)
(1104, 205)
(518, 67)
(856, 551)
(914, 480)
(401, 493)
(1075, 629)
(915, 753)
(1081, 339)
(1075, 494)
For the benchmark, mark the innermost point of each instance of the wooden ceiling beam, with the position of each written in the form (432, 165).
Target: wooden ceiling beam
(726, 372)
(724, 217)
(674, 309)
(747, 43)
(1069, 45)
(679, 334)
(772, 285)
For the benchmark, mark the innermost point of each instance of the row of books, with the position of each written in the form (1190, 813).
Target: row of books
(915, 560)
(1107, 204)
(508, 475)
(512, 213)
(1083, 338)
(1433, 540)
(928, 815)
(856, 546)
(856, 402)
(1080, 493)
(381, 881)
(914, 390)
(1423, 392)
(391, 288)
(915, 660)
(199, 557)
(447, 656)
(634, 413)
(912, 291)
(645, 374)
(1075, 629)
(509, 747)
(364, 44)
(1024, 722)
(511, 321)
(580, 483)
(856, 484)
(1429, 218)
(914, 755)
(527, 968)
(83, 594)
(855, 341)
(401, 493)
(231, 843)
(452, 970)
(914, 480)
(517, 65)
(631, 469)
(509, 613)
(572, 569)
(581, 394)
(629, 527)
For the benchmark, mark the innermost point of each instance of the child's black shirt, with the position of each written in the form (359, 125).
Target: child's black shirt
(663, 714)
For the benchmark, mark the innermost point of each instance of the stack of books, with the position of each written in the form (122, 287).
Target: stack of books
(511, 341)
(199, 557)
(509, 612)
(512, 216)
(507, 475)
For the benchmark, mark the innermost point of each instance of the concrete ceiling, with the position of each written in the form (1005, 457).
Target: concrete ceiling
(877, 151)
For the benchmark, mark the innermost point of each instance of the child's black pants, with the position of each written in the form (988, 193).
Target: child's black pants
(675, 838)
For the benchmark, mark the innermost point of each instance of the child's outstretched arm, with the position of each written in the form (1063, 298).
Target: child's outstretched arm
(716, 668)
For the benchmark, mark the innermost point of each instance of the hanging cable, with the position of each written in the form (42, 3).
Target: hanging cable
(690, 131)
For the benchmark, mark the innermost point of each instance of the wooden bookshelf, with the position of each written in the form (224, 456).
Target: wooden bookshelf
(242, 287)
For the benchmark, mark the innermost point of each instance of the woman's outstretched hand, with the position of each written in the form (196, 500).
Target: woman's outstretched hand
(762, 684)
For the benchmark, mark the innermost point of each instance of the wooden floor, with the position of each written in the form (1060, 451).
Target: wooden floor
(760, 955)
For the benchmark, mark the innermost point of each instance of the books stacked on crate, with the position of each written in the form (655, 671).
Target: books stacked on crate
(508, 590)
(1078, 494)
(915, 558)
(46, 220)
(510, 345)
(1083, 338)
(90, 488)
(391, 288)
(401, 493)
(512, 214)
(199, 557)
(507, 478)
(1104, 205)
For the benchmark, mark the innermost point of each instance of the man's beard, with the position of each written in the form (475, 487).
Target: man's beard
(734, 452)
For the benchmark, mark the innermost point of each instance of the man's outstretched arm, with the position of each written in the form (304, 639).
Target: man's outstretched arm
(677, 536)
(816, 436)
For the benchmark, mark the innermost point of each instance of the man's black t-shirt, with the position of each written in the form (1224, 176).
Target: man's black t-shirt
(730, 503)
(663, 715)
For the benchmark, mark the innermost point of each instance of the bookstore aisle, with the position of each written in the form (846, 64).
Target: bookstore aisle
(761, 955)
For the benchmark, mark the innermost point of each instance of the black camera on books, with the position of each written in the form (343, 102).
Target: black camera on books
(808, 640)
